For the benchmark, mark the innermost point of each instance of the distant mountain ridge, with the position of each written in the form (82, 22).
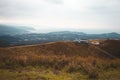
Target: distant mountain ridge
(14, 35)
(13, 30)
(67, 32)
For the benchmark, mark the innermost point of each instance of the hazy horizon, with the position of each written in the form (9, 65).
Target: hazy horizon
(89, 16)
(32, 29)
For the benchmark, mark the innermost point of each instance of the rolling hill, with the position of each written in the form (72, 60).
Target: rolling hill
(68, 49)
(61, 60)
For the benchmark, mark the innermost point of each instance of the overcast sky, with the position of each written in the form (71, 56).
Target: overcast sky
(53, 15)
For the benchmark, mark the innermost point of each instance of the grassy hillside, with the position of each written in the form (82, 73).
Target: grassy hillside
(111, 46)
(59, 61)
(57, 48)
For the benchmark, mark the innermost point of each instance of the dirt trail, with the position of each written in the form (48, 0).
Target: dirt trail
(105, 52)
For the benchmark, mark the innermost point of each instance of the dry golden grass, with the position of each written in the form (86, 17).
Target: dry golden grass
(68, 56)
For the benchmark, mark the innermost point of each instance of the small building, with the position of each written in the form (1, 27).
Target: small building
(95, 43)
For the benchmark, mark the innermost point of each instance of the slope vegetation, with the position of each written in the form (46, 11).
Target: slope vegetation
(112, 47)
(57, 48)
(60, 61)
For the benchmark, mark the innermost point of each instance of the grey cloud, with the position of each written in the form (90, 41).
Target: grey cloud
(105, 12)
(55, 1)
(13, 8)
